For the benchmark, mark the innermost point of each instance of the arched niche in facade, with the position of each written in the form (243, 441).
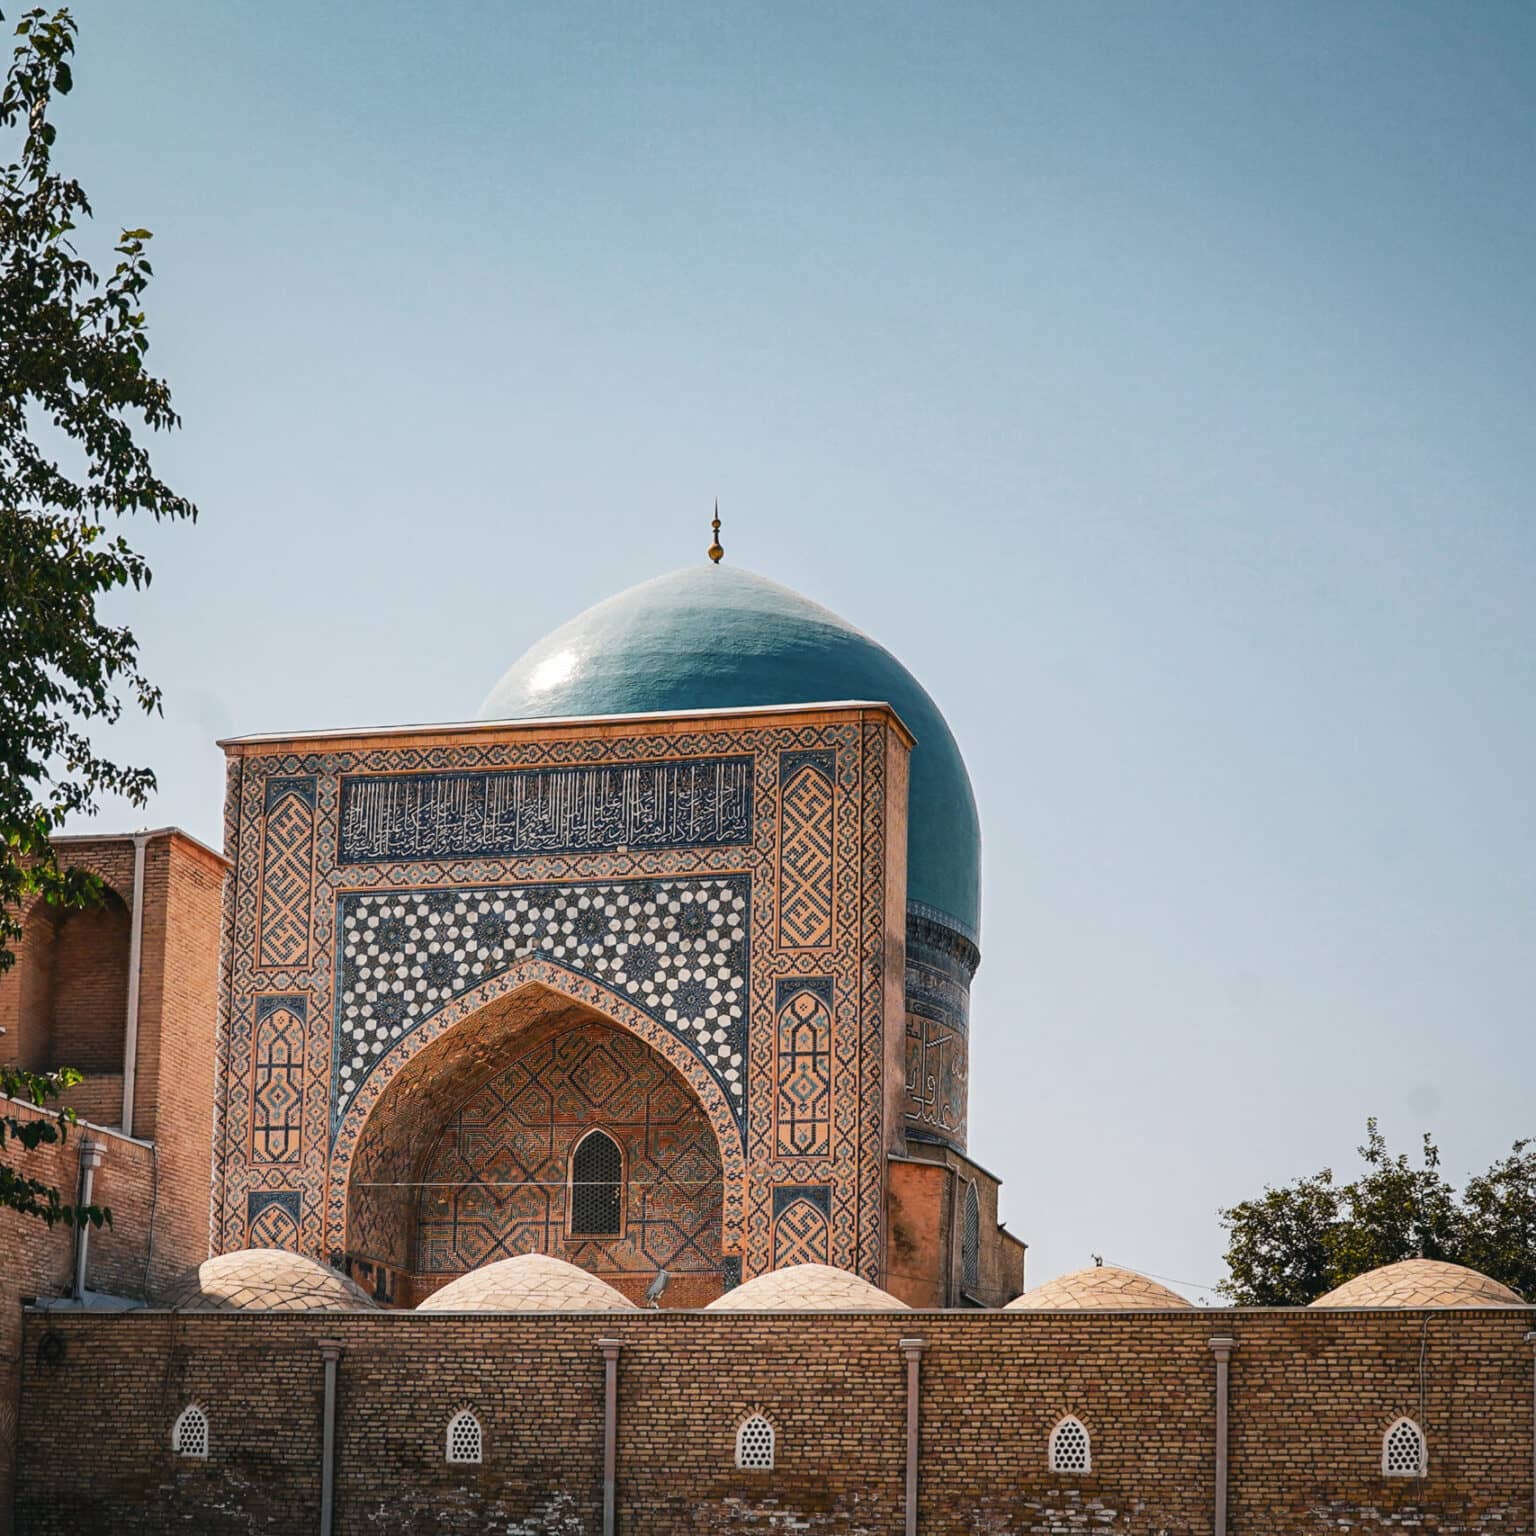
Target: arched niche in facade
(409, 1194)
(72, 987)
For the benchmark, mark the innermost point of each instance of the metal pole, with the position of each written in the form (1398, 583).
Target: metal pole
(1222, 1348)
(135, 953)
(1530, 1339)
(330, 1351)
(610, 1349)
(91, 1155)
(913, 1350)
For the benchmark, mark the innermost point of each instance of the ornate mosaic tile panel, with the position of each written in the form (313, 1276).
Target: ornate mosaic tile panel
(701, 803)
(287, 870)
(277, 1079)
(272, 1219)
(496, 1183)
(676, 948)
(800, 1217)
(803, 1103)
(806, 849)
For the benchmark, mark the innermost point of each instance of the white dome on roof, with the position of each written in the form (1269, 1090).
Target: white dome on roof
(265, 1280)
(530, 1282)
(807, 1288)
(1103, 1288)
(1420, 1283)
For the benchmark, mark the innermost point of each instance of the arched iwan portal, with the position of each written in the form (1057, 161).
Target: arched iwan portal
(467, 1154)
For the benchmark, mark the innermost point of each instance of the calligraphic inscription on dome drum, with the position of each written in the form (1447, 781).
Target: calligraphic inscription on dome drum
(692, 803)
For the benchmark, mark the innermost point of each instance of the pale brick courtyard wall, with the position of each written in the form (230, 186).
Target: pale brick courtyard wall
(1311, 1398)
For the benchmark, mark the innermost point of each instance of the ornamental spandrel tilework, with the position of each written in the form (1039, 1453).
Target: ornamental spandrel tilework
(676, 948)
(525, 858)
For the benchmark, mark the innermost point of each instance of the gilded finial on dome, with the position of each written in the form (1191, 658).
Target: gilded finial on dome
(715, 549)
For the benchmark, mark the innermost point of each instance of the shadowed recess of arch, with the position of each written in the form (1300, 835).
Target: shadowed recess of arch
(390, 1130)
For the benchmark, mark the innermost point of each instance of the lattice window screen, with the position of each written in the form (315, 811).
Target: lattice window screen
(1069, 1447)
(970, 1240)
(1402, 1450)
(190, 1436)
(464, 1438)
(597, 1181)
(754, 1445)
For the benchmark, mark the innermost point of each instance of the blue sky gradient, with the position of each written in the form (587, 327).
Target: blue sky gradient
(1156, 381)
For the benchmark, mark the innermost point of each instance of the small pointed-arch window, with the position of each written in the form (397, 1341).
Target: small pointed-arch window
(597, 1187)
(189, 1435)
(1403, 1451)
(1070, 1450)
(970, 1239)
(754, 1444)
(464, 1438)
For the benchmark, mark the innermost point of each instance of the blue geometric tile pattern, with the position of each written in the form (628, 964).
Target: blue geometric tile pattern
(675, 948)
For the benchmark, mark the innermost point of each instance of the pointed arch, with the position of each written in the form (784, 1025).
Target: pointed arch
(189, 1434)
(1404, 1450)
(465, 1441)
(531, 973)
(801, 1234)
(756, 1443)
(970, 1238)
(1070, 1448)
(595, 1200)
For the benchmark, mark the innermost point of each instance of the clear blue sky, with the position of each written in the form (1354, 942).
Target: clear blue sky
(1155, 380)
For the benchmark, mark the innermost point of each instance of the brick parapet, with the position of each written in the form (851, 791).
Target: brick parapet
(1311, 1396)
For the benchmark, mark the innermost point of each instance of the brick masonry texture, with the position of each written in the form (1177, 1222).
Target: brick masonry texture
(1311, 1397)
(64, 1004)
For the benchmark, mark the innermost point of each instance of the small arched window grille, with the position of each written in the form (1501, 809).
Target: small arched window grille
(754, 1444)
(970, 1239)
(189, 1435)
(1403, 1451)
(464, 1439)
(1070, 1450)
(597, 1187)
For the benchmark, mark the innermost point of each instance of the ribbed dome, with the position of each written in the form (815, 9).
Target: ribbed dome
(807, 1288)
(1420, 1283)
(718, 637)
(265, 1280)
(1100, 1289)
(531, 1282)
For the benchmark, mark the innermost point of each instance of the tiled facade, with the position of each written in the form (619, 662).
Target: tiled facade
(495, 1183)
(728, 890)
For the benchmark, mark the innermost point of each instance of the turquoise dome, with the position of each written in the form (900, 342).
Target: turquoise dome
(718, 637)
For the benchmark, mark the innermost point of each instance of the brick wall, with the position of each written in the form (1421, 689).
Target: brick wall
(925, 1203)
(178, 1024)
(39, 1262)
(90, 987)
(65, 1003)
(1311, 1397)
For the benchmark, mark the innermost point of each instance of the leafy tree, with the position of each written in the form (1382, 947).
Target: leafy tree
(1499, 1220)
(74, 393)
(18, 1191)
(1291, 1245)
